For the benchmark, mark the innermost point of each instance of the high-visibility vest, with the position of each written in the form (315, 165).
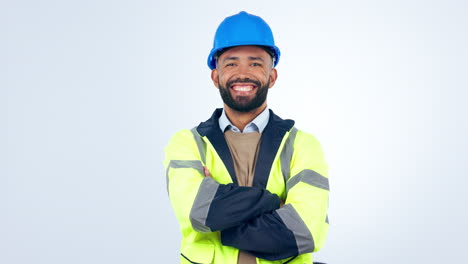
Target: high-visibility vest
(217, 217)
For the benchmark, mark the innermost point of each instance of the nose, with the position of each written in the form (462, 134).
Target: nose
(244, 70)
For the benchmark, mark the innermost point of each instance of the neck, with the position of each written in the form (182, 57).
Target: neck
(241, 119)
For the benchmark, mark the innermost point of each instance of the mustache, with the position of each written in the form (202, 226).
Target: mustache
(246, 80)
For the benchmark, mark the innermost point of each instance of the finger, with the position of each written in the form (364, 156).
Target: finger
(206, 171)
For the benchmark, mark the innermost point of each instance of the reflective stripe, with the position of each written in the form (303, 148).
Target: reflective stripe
(202, 204)
(183, 164)
(200, 143)
(286, 154)
(310, 177)
(292, 220)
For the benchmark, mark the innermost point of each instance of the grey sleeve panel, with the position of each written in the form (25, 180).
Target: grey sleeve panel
(205, 194)
(178, 164)
(310, 177)
(202, 204)
(200, 143)
(286, 154)
(292, 220)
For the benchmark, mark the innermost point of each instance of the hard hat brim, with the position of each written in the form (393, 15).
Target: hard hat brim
(212, 56)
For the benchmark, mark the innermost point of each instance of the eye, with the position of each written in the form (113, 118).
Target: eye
(230, 64)
(256, 64)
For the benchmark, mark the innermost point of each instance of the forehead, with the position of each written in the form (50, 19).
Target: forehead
(245, 51)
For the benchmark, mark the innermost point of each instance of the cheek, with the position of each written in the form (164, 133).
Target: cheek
(223, 78)
(263, 78)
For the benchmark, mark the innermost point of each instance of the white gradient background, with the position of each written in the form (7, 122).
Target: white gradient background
(91, 92)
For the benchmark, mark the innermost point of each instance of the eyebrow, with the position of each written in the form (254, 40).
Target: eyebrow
(256, 58)
(237, 58)
(230, 58)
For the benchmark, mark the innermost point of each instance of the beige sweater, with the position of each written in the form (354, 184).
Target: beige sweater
(244, 151)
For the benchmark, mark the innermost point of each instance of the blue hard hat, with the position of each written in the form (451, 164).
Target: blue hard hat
(243, 29)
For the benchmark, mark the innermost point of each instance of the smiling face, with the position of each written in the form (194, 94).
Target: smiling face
(243, 76)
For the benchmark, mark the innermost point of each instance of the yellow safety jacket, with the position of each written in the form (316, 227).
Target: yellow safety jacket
(218, 217)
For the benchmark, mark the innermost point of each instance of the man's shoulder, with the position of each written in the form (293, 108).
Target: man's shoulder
(304, 133)
(182, 135)
(306, 140)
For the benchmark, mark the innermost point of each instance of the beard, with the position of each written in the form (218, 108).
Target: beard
(244, 104)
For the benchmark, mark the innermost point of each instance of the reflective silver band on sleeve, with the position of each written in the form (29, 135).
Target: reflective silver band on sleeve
(310, 177)
(292, 220)
(200, 143)
(286, 154)
(181, 164)
(202, 204)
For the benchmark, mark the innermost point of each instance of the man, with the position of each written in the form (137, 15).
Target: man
(247, 186)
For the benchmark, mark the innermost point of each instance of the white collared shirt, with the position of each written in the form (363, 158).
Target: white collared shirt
(257, 125)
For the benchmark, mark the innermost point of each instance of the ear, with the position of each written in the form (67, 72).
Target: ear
(273, 77)
(215, 77)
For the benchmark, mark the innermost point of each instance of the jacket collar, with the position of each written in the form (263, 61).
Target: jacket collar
(270, 142)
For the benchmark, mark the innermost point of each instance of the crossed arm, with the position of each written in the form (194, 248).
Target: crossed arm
(250, 218)
(263, 234)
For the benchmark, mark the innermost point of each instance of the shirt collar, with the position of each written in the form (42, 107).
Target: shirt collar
(257, 125)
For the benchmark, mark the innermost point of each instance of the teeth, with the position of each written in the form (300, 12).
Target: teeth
(243, 88)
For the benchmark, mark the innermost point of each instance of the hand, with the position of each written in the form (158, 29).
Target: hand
(207, 172)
